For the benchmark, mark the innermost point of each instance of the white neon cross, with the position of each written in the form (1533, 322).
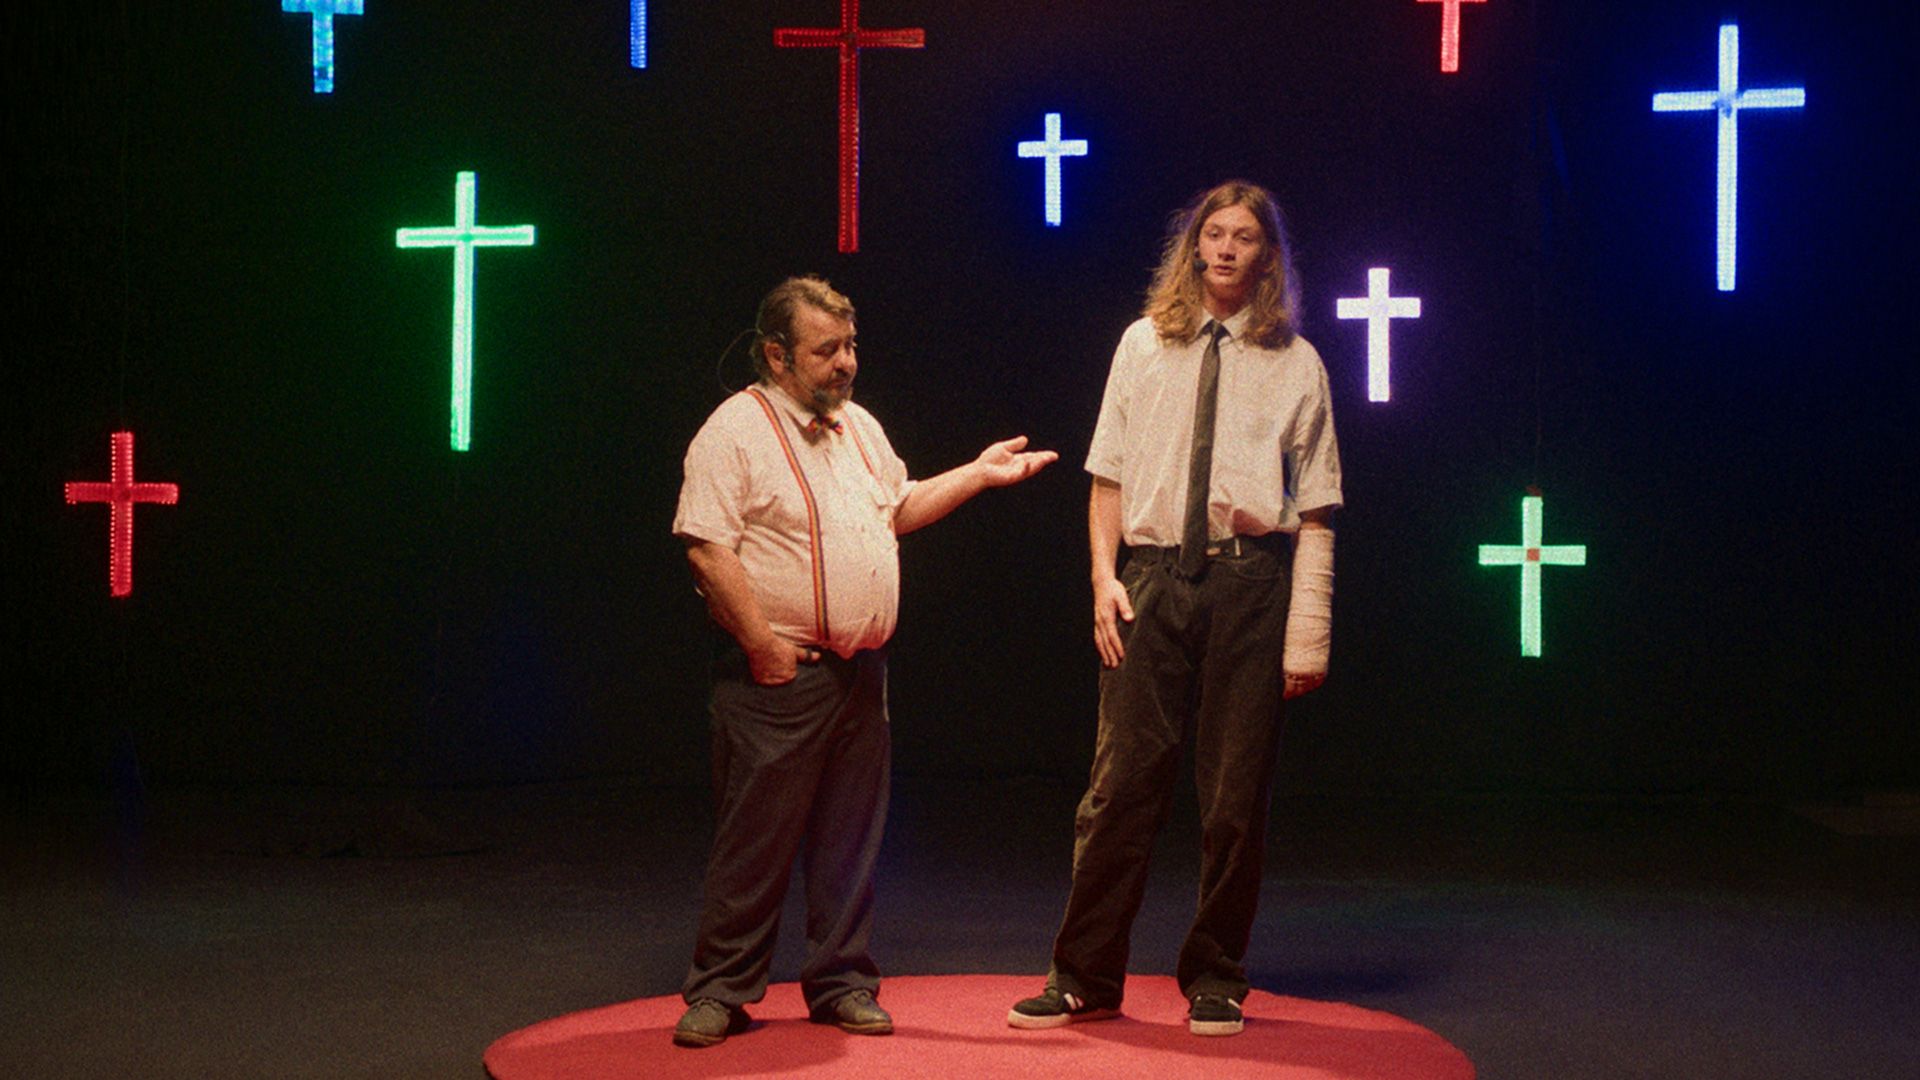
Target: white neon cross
(1530, 555)
(463, 236)
(1377, 307)
(323, 12)
(1728, 100)
(1053, 150)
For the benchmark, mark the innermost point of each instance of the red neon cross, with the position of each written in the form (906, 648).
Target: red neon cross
(850, 37)
(122, 493)
(1450, 31)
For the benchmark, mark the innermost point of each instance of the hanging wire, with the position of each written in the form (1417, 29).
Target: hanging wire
(126, 214)
(1543, 247)
(719, 365)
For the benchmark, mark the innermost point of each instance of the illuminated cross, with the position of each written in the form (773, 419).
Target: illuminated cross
(1378, 308)
(1053, 150)
(323, 12)
(463, 236)
(637, 34)
(1728, 100)
(1450, 31)
(1530, 555)
(121, 492)
(850, 37)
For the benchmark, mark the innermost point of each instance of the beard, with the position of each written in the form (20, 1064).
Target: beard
(828, 398)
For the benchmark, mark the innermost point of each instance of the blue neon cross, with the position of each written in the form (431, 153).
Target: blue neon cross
(1053, 150)
(1728, 100)
(463, 236)
(323, 12)
(637, 34)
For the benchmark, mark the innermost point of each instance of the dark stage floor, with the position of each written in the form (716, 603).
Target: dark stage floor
(302, 933)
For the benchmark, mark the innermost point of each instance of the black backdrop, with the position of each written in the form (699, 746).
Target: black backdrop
(203, 252)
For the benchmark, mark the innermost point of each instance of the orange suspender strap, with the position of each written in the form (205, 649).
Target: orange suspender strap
(861, 446)
(813, 519)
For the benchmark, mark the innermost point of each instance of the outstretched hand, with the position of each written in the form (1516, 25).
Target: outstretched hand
(1009, 462)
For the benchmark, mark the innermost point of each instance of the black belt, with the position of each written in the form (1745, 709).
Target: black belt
(1228, 548)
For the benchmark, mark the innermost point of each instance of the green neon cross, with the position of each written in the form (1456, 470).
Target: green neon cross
(463, 236)
(1530, 555)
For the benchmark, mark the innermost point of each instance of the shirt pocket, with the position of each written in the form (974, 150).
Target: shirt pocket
(778, 498)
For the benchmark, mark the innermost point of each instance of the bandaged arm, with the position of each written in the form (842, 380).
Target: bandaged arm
(1310, 612)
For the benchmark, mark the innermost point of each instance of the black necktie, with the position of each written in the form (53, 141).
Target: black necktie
(1193, 540)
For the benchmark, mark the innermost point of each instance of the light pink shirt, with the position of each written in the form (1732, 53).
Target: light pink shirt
(835, 561)
(1274, 452)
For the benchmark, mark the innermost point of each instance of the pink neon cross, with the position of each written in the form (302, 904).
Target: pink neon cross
(122, 493)
(850, 37)
(1450, 31)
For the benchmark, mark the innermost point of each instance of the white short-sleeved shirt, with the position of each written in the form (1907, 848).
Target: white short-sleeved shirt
(1274, 452)
(811, 518)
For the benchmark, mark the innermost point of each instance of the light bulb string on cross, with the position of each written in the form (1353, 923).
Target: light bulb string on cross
(637, 34)
(323, 12)
(1450, 32)
(849, 37)
(120, 493)
(463, 236)
(1052, 148)
(1728, 100)
(1530, 554)
(1379, 307)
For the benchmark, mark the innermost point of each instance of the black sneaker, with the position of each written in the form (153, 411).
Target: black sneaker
(1055, 1009)
(707, 1022)
(1214, 1014)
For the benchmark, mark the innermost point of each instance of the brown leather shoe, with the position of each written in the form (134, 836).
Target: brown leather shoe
(855, 1011)
(707, 1022)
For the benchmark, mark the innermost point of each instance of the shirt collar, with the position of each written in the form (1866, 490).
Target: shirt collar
(1236, 323)
(801, 415)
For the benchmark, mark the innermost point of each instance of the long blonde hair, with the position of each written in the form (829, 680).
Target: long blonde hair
(1174, 300)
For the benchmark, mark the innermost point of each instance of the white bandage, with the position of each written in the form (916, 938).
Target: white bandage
(1310, 614)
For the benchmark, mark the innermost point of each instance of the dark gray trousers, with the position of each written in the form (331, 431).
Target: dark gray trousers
(1203, 661)
(799, 770)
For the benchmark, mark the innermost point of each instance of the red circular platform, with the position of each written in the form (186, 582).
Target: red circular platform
(955, 1026)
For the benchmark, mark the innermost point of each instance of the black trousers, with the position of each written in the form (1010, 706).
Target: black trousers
(799, 770)
(1203, 661)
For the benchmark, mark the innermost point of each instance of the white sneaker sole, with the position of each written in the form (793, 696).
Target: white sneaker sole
(1215, 1027)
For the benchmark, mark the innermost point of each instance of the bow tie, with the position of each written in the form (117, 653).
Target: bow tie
(820, 425)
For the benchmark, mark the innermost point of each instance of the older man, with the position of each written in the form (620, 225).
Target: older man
(791, 505)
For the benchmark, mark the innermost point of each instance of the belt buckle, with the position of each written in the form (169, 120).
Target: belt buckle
(1230, 547)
